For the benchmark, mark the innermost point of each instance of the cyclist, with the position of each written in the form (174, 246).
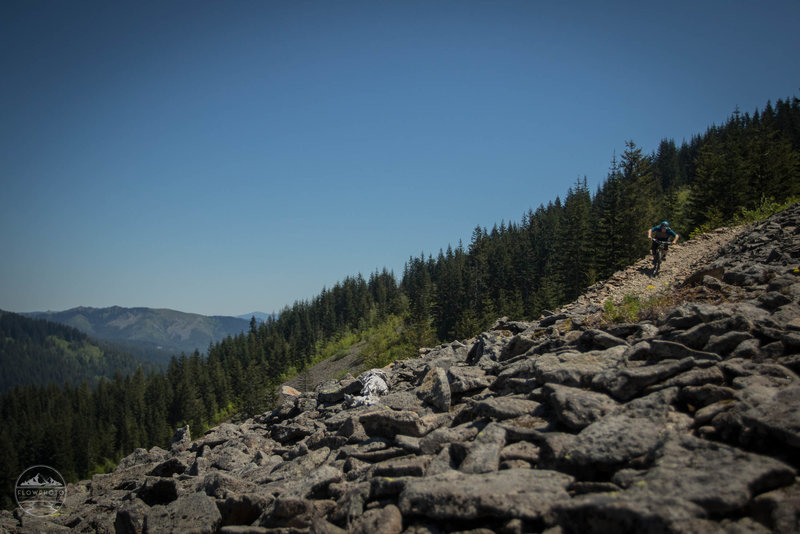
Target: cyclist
(661, 232)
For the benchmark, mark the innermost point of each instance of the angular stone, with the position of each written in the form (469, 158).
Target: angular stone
(181, 440)
(521, 450)
(597, 339)
(779, 418)
(387, 520)
(243, 509)
(612, 443)
(335, 391)
(195, 512)
(626, 512)
(519, 344)
(504, 407)
(389, 423)
(463, 379)
(158, 490)
(516, 493)
(670, 350)
(577, 369)
(725, 343)
(407, 466)
(435, 389)
(576, 408)
(717, 477)
(627, 383)
(484, 453)
(433, 442)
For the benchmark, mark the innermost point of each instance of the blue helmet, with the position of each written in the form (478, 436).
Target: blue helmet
(665, 223)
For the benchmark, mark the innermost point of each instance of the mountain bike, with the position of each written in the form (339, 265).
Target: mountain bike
(658, 257)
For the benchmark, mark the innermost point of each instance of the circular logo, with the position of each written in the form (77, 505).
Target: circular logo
(40, 491)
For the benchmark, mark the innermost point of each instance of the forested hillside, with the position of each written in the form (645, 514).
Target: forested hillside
(35, 351)
(516, 269)
(150, 334)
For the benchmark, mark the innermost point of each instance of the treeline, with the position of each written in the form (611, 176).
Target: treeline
(35, 351)
(514, 269)
(559, 249)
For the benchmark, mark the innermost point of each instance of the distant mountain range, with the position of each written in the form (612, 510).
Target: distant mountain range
(41, 352)
(260, 316)
(152, 334)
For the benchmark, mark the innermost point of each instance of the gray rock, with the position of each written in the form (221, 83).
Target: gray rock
(597, 339)
(435, 389)
(407, 466)
(388, 423)
(484, 453)
(158, 490)
(181, 440)
(464, 379)
(612, 443)
(331, 392)
(386, 520)
(577, 369)
(670, 350)
(433, 442)
(640, 513)
(717, 477)
(502, 408)
(779, 509)
(778, 418)
(627, 383)
(517, 493)
(193, 513)
(576, 408)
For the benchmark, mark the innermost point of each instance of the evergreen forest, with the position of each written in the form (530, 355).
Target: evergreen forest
(517, 269)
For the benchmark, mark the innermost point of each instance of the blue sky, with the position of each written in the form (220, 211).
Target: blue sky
(226, 157)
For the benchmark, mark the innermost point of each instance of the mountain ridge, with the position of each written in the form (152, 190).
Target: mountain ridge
(154, 334)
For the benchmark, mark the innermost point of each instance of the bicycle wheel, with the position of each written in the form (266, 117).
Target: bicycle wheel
(656, 262)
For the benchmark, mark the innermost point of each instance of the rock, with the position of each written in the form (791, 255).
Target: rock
(387, 520)
(575, 408)
(663, 350)
(717, 477)
(627, 383)
(630, 513)
(612, 443)
(244, 509)
(170, 467)
(464, 379)
(502, 408)
(435, 389)
(779, 510)
(193, 513)
(778, 418)
(597, 339)
(331, 392)
(389, 423)
(180, 440)
(289, 391)
(517, 493)
(484, 454)
(157, 491)
(577, 369)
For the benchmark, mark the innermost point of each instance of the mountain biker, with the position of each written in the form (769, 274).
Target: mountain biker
(661, 232)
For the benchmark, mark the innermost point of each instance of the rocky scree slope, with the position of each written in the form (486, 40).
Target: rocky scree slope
(688, 423)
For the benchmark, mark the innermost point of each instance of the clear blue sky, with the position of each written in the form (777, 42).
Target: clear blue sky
(225, 157)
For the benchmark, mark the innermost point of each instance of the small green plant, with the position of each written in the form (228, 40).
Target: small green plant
(625, 312)
(633, 309)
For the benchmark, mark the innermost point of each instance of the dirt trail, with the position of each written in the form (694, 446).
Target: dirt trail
(683, 260)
